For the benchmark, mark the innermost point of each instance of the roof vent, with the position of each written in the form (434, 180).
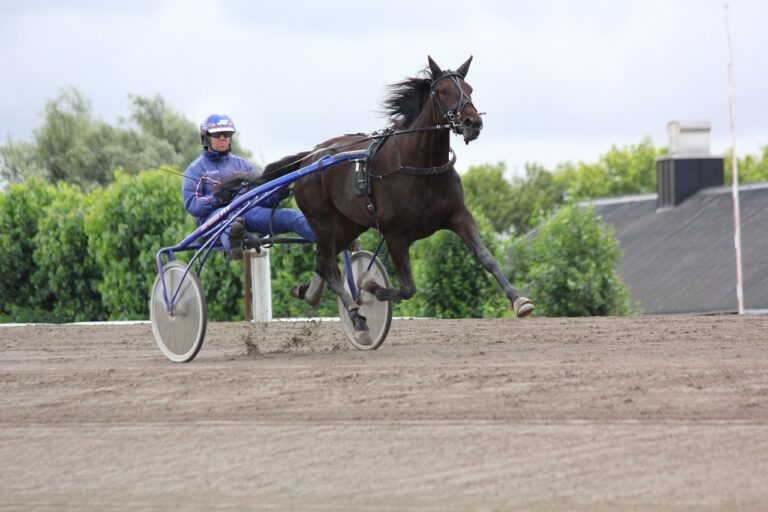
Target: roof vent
(689, 167)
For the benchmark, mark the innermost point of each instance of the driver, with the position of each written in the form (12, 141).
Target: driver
(208, 187)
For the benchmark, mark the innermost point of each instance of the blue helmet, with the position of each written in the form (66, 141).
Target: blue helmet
(215, 123)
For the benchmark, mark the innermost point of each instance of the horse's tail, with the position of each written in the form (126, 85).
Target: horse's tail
(282, 167)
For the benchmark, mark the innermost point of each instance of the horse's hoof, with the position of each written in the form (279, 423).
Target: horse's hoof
(359, 321)
(299, 291)
(370, 286)
(523, 307)
(363, 338)
(314, 291)
(310, 293)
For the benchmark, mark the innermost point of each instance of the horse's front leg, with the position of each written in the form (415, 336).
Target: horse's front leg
(398, 250)
(326, 269)
(463, 224)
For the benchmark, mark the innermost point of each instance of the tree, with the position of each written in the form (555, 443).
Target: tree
(158, 123)
(622, 170)
(74, 147)
(535, 195)
(569, 266)
(488, 192)
(752, 169)
(450, 283)
(511, 206)
(70, 146)
(18, 160)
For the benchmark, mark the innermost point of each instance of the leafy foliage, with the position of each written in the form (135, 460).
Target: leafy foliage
(223, 284)
(85, 249)
(511, 206)
(487, 191)
(535, 195)
(752, 169)
(63, 266)
(450, 282)
(20, 207)
(128, 222)
(625, 170)
(74, 147)
(570, 266)
(291, 265)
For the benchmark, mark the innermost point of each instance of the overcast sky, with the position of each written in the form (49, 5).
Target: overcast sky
(559, 80)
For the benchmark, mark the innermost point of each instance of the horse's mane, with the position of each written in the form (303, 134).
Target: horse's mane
(407, 98)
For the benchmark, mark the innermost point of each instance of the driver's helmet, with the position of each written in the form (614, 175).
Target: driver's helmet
(215, 123)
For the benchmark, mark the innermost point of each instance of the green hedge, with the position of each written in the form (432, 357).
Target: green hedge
(128, 222)
(63, 265)
(450, 283)
(21, 205)
(71, 256)
(569, 266)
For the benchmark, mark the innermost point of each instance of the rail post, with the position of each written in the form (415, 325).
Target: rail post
(258, 286)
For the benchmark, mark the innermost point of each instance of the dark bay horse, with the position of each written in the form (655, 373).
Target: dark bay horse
(414, 189)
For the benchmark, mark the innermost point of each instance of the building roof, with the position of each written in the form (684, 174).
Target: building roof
(683, 259)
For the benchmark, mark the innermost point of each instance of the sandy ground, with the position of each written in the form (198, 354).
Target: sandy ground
(647, 413)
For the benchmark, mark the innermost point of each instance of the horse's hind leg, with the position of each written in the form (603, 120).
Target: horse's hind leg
(463, 224)
(398, 250)
(310, 293)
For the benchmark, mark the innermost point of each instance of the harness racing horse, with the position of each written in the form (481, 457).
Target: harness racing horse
(410, 188)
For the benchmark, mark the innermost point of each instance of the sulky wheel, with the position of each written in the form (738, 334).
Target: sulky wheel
(179, 334)
(377, 313)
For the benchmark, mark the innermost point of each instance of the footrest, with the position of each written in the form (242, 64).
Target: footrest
(253, 240)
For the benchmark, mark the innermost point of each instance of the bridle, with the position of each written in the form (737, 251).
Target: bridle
(450, 114)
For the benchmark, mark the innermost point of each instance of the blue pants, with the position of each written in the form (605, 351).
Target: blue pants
(284, 220)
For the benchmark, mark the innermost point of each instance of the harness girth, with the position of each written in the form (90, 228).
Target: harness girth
(430, 171)
(364, 172)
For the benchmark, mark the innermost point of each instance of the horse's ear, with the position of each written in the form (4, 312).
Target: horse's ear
(434, 68)
(464, 68)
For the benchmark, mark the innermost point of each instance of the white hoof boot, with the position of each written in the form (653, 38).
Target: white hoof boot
(315, 290)
(522, 306)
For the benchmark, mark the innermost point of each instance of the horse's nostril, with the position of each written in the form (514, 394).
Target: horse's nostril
(470, 123)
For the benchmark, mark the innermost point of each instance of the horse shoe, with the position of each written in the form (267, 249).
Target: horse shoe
(523, 307)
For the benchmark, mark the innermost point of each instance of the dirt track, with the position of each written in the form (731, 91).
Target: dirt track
(648, 413)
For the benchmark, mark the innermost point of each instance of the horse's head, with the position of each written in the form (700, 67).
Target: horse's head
(452, 100)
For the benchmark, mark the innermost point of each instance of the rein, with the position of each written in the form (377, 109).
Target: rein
(378, 134)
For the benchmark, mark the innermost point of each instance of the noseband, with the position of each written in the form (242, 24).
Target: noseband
(450, 114)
